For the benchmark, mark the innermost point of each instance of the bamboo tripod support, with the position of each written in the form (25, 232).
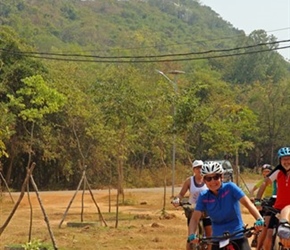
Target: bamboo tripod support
(22, 193)
(6, 185)
(85, 183)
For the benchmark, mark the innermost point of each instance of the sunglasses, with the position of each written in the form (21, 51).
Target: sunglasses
(209, 178)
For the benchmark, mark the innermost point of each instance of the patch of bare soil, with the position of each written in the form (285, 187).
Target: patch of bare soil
(141, 225)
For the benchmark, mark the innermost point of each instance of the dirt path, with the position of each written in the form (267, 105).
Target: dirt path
(147, 232)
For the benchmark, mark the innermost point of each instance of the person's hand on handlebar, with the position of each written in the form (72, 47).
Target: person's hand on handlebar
(176, 201)
(259, 224)
(192, 239)
(257, 203)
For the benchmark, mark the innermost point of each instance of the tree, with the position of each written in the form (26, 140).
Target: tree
(259, 66)
(31, 104)
(211, 120)
(270, 102)
(5, 131)
(14, 67)
(121, 108)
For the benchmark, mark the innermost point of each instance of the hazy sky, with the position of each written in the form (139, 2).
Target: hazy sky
(273, 16)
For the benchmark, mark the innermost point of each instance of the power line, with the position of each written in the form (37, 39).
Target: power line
(137, 59)
(148, 56)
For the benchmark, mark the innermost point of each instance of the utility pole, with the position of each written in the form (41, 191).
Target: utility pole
(175, 88)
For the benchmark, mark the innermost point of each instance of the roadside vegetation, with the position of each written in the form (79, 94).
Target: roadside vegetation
(74, 93)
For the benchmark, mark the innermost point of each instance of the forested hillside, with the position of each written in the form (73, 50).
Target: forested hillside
(113, 85)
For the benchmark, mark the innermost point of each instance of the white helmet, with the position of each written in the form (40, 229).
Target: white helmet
(211, 167)
(197, 163)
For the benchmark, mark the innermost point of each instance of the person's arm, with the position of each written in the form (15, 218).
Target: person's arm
(183, 190)
(246, 202)
(259, 224)
(252, 191)
(194, 220)
(267, 181)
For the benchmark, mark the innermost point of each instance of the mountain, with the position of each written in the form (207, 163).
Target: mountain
(112, 27)
(112, 109)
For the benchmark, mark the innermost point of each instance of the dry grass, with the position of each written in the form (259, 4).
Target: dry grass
(147, 231)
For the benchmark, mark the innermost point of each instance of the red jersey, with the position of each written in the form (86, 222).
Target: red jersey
(283, 186)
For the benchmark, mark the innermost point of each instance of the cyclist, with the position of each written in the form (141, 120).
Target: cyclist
(269, 191)
(222, 203)
(194, 184)
(266, 169)
(281, 174)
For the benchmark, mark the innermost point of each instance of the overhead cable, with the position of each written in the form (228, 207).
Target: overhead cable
(150, 58)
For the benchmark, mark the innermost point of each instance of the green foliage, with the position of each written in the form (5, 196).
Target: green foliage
(254, 67)
(107, 24)
(36, 244)
(270, 101)
(2, 146)
(36, 99)
(6, 130)
(117, 118)
(69, 12)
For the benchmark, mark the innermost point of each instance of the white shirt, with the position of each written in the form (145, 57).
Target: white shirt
(194, 190)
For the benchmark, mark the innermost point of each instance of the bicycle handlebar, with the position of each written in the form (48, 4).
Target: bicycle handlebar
(246, 231)
(181, 203)
(267, 205)
(271, 209)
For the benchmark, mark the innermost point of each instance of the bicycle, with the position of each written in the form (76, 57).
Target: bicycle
(269, 202)
(225, 241)
(268, 207)
(188, 210)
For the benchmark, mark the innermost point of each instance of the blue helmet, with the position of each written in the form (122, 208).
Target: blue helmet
(283, 152)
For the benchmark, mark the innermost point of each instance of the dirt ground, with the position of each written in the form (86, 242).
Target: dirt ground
(140, 224)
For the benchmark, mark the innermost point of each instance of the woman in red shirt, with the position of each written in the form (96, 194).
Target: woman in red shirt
(282, 176)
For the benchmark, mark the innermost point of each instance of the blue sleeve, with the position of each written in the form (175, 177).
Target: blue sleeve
(238, 193)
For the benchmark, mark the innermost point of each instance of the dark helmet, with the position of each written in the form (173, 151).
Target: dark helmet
(283, 152)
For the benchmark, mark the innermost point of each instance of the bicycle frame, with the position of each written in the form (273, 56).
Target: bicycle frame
(187, 208)
(225, 241)
(275, 244)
